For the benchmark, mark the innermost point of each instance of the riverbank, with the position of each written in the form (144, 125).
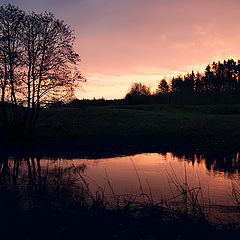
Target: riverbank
(129, 129)
(190, 124)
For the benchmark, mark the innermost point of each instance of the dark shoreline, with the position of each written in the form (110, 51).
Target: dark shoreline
(103, 131)
(109, 147)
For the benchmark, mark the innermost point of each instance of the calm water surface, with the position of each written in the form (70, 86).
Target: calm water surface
(215, 176)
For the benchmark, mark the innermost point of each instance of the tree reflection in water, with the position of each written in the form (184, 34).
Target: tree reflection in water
(227, 162)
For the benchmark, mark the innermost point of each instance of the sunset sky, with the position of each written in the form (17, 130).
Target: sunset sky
(126, 41)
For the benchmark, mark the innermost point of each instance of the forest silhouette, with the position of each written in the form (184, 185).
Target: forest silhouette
(220, 83)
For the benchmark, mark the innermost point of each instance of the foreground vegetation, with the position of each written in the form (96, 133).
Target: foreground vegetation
(58, 204)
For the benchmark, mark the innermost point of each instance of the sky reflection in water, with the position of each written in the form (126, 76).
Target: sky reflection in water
(153, 169)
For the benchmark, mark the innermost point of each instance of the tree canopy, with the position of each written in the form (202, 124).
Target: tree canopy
(138, 93)
(220, 82)
(38, 62)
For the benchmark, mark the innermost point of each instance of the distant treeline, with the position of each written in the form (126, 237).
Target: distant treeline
(220, 83)
(93, 102)
(85, 103)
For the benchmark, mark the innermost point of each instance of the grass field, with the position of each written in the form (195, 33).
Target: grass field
(198, 124)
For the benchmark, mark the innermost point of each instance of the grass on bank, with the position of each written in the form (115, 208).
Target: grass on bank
(185, 123)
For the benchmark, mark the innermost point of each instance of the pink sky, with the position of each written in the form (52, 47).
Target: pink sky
(126, 41)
